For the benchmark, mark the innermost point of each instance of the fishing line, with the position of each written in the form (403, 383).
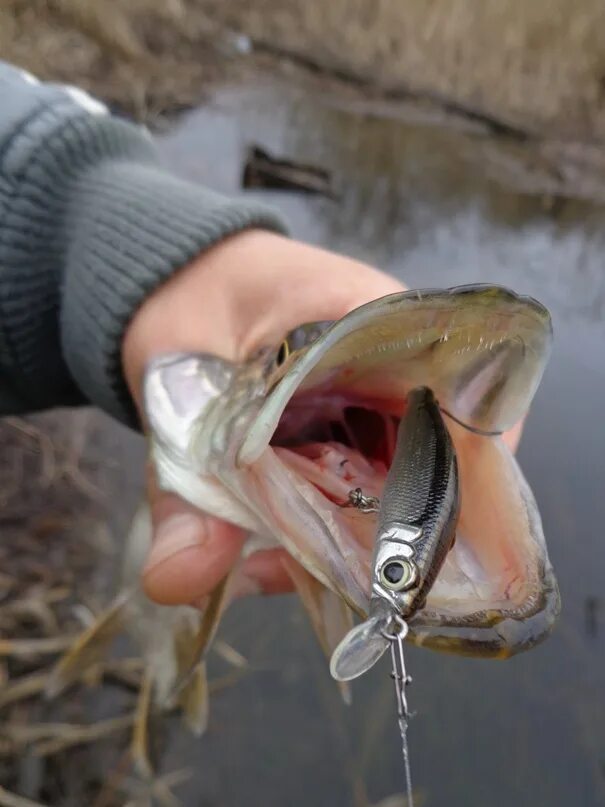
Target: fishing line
(401, 680)
(472, 429)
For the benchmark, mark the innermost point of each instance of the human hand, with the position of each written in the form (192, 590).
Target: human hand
(245, 293)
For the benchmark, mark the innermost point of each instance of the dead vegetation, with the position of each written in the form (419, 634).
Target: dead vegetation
(56, 564)
(140, 56)
(55, 561)
(532, 67)
(63, 484)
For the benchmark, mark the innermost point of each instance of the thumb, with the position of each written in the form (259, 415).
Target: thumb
(191, 552)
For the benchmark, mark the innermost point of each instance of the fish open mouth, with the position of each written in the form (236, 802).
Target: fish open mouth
(342, 447)
(329, 428)
(325, 423)
(496, 593)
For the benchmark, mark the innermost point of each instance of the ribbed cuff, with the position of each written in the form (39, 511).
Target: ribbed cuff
(90, 225)
(132, 226)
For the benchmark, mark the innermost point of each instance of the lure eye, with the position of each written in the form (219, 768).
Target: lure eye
(282, 353)
(398, 575)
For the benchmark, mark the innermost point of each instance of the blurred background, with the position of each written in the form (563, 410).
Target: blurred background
(447, 142)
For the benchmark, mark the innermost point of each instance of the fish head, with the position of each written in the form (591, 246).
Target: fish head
(282, 444)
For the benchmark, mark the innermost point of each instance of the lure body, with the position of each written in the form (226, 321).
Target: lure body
(416, 529)
(418, 510)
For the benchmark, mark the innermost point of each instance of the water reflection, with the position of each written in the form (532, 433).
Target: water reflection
(418, 201)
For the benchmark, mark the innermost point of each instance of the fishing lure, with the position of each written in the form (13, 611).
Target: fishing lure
(417, 519)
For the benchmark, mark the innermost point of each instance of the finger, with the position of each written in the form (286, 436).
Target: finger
(264, 573)
(191, 552)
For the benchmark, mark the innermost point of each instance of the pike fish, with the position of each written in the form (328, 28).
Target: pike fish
(278, 445)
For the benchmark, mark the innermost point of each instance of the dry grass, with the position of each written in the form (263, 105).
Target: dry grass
(142, 56)
(61, 481)
(539, 66)
(55, 554)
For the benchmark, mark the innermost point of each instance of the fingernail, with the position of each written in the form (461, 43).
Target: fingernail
(175, 534)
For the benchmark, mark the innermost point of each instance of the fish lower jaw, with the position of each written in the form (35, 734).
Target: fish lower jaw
(495, 595)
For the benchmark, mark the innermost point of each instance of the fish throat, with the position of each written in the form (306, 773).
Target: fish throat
(343, 447)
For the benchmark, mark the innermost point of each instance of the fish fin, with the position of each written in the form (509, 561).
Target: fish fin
(230, 654)
(88, 649)
(194, 701)
(136, 546)
(329, 615)
(139, 744)
(360, 649)
(191, 650)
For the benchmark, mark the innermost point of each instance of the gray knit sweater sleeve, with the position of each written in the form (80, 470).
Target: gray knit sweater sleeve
(90, 224)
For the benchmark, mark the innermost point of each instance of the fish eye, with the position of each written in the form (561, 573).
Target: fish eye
(397, 575)
(282, 353)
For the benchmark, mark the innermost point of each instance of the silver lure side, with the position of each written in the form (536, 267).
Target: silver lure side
(416, 529)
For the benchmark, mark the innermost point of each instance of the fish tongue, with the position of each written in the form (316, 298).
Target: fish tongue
(360, 649)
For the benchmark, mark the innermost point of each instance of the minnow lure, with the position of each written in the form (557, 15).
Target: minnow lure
(417, 520)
